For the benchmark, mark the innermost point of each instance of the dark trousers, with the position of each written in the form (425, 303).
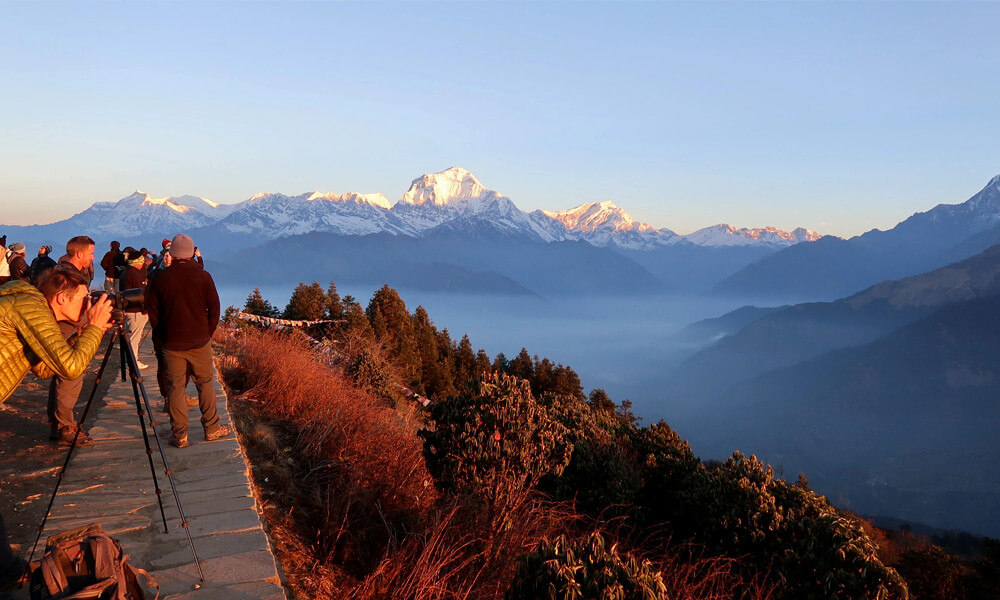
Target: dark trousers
(199, 361)
(63, 393)
(161, 366)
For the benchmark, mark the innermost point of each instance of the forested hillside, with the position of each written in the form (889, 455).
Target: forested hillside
(397, 462)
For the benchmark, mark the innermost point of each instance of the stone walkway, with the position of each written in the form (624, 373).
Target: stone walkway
(110, 483)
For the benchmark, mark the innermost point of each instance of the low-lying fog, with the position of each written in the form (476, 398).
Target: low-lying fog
(623, 345)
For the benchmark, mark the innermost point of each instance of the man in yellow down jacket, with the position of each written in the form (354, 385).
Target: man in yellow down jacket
(30, 339)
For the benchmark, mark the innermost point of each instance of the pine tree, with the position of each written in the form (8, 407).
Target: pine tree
(257, 305)
(425, 335)
(356, 331)
(393, 327)
(522, 366)
(308, 303)
(334, 307)
(483, 362)
(465, 364)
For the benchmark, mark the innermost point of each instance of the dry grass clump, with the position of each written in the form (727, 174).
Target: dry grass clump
(467, 553)
(336, 421)
(343, 472)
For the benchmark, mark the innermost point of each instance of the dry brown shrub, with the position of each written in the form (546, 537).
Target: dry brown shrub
(337, 422)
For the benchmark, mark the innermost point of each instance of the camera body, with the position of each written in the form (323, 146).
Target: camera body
(124, 301)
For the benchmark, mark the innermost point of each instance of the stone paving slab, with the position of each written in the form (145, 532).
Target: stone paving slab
(111, 483)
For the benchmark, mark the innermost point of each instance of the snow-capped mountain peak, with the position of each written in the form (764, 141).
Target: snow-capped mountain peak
(378, 200)
(727, 235)
(445, 188)
(596, 215)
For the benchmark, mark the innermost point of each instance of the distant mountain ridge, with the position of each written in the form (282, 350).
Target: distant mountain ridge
(452, 196)
(784, 337)
(875, 396)
(832, 267)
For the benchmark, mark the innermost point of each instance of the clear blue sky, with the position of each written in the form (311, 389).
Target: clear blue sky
(839, 117)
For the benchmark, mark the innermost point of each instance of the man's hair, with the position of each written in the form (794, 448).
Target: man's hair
(56, 281)
(78, 244)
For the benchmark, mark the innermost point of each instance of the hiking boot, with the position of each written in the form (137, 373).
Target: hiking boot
(218, 433)
(68, 434)
(192, 401)
(141, 365)
(179, 442)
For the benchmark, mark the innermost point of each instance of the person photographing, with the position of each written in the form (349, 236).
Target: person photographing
(30, 340)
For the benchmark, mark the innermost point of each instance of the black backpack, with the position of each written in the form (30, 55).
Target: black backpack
(86, 563)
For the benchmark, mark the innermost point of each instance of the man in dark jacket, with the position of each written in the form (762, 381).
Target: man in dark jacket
(134, 277)
(110, 263)
(63, 392)
(42, 263)
(183, 308)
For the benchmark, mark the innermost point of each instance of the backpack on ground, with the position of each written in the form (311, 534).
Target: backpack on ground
(87, 563)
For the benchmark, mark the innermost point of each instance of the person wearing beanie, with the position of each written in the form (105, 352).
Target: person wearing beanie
(183, 307)
(19, 270)
(134, 277)
(42, 263)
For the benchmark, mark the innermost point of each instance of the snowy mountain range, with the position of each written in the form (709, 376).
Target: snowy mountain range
(453, 199)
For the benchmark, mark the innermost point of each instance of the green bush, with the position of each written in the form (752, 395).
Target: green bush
(493, 442)
(564, 570)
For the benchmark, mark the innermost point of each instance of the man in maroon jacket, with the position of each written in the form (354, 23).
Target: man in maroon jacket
(183, 308)
(110, 263)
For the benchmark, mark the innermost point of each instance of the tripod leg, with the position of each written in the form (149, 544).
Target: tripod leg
(138, 389)
(69, 453)
(136, 381)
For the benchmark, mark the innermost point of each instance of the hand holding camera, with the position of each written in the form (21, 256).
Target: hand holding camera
(99, 312)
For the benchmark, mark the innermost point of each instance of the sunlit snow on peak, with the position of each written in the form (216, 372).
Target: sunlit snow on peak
(444, 188)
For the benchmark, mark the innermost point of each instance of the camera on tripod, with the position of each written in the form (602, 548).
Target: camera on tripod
(125, 300)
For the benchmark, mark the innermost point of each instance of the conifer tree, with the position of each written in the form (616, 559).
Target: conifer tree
(334, 307)
(425, 335)
(601, 402)
(465, 364)
(393, 328)
(356, 331)
(521, 366)
(308, 303)
(257, 305)
(483, 362)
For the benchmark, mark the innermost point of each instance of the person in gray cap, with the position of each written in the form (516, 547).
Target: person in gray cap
(183, 307)
(19, 270)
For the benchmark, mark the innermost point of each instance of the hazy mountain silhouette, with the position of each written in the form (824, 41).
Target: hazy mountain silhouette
(831, 267)
(903, 426)
(443, 260)
(803, 331)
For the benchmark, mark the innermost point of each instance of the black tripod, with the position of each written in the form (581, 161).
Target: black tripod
(130, 367)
